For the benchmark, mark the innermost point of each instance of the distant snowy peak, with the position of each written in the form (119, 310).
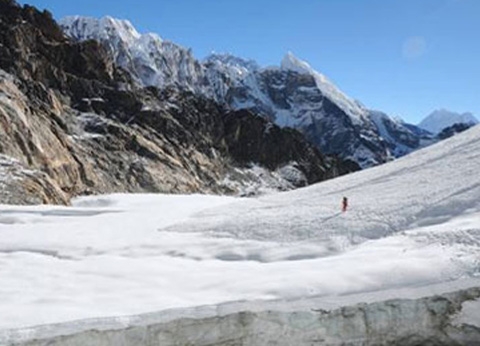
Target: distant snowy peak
(442, 118)
(353, 108)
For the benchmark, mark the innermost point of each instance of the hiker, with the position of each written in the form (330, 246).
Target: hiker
(344, 204)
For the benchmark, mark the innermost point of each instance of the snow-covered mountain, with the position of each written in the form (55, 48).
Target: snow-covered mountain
(443, 118)
(151, 60)
(294, 99)
(290, 95)
(295, 95)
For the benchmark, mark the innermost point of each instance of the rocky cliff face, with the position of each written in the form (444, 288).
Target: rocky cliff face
(67, 110)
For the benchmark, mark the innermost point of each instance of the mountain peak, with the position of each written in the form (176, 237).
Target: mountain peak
(442, 118)
(353, 108)
(292, 63)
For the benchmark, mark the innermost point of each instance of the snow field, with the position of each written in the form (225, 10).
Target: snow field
(411, 223)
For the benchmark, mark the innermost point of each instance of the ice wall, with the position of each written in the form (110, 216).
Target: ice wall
(448, 319)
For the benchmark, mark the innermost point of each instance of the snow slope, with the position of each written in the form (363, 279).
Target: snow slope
(442, 118)
(412, 223)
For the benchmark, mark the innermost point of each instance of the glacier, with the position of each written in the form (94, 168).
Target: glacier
(401, 266)
(445, 319)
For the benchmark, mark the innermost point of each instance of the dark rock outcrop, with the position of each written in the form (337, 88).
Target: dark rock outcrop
(250, 138)
(453, 130)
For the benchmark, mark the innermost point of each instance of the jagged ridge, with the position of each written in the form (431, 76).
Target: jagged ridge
(292, 95)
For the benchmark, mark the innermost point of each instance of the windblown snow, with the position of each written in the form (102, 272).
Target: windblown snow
(411, 224)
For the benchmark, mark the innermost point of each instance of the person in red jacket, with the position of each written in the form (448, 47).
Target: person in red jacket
(344, 204)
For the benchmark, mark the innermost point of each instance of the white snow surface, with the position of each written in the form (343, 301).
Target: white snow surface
(442, 118)
(412, 224)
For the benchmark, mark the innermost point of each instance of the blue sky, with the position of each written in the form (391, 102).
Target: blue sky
(404, 57)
